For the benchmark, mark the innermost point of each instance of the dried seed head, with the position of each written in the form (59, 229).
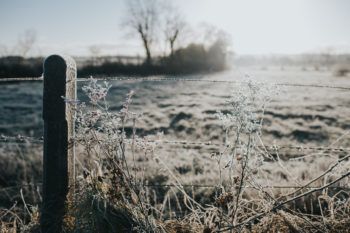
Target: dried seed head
(224, 199)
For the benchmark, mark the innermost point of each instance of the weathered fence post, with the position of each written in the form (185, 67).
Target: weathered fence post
(58, 176)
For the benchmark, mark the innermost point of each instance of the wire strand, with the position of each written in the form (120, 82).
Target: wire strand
(24, 79)
(204, 80)
(201, 186)
(26, 139)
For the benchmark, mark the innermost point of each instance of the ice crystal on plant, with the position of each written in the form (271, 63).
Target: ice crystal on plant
(95, 91)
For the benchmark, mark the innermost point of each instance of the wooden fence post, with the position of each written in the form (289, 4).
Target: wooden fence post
(58, 175)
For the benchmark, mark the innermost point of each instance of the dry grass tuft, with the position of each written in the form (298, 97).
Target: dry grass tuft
(175, 226)
(280, 222)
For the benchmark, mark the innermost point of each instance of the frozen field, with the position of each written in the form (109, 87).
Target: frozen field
(185, 110)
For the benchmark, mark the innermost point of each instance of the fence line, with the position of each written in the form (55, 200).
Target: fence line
(5, 189)
(249, 187)
(268, 147)
(21, 139)
(175, 80)
(22, 79)
(39, 140)
(207, 81)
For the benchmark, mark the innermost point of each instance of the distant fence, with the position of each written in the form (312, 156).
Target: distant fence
(60, 82)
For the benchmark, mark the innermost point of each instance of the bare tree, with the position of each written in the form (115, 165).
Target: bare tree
(174, 25)
(26, 42)
(142, 18)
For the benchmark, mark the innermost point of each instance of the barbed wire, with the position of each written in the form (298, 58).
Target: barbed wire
(269, 147)
(21, 139)
(176, 79)
(22, 79)
(19, 186)
(152, 79)
(249, 187)
(26, 139)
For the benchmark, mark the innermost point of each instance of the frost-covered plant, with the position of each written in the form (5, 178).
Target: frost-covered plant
(95, 91)
(109, 192)
(242, 123)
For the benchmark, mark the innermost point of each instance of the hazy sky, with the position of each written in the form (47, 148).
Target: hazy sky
(256, 26)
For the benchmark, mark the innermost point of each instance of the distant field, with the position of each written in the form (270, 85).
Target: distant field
(301, 116)
(185, 110)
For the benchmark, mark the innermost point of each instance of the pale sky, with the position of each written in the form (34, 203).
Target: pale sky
(256, 26)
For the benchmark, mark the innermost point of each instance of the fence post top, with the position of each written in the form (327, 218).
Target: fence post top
(59, 83)
(69, 61)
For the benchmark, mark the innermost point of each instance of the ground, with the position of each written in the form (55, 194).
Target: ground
(185, 111)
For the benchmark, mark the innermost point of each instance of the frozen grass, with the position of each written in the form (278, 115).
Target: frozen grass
(117, 169)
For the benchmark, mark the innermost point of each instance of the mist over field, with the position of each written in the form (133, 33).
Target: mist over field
(190, 116)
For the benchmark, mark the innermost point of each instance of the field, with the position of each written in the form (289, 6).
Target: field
(184, 111)
(297, 115)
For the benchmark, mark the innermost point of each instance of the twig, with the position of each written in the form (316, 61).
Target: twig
(320, 176)
(281, 204)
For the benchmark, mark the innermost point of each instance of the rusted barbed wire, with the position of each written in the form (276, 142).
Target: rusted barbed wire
(25, 139)
(175, 79)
